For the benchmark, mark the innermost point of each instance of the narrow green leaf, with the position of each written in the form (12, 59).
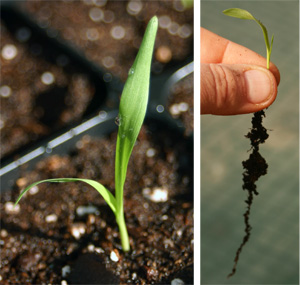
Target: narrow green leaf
(238, 13)
(106, 194)
(243, 14)
(133, 106)
(265, 32)
(271, 45)
(132, 112)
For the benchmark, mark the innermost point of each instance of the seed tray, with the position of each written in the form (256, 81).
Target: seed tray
(59, 52)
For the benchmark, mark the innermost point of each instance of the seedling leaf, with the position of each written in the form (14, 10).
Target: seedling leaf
(106, 194)
(244, 14)
(134, 102)
(238, 13)
(132, 112)
(271, 46)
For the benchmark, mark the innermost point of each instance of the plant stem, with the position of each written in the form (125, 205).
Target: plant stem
(123, 231)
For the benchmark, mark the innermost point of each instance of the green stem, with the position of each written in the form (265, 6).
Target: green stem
(123, 230)
(268, 59)
(244, 14)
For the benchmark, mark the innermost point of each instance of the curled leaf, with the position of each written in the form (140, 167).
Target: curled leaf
(238, 13)
(106, 194)
(245, 15)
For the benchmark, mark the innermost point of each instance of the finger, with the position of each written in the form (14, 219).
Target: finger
(228, 89)
(215, 49)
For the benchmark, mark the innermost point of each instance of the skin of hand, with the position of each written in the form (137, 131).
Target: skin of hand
(234, 80)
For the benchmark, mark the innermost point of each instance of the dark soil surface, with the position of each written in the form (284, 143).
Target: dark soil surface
(37, 97)
(181, 102)
(58, 228)
(109, 33)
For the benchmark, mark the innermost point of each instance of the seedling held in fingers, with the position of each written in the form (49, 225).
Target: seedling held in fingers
(244, 14)
(132, 112)
(255, 166)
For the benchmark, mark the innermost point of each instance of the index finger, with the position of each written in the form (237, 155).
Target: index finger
(215, 49)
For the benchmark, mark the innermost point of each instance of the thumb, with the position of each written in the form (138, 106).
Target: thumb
(231, 89)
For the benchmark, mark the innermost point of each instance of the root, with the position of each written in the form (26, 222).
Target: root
(255, 166)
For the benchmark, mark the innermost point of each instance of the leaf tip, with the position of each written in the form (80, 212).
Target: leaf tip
(154, 21)
(238, 13)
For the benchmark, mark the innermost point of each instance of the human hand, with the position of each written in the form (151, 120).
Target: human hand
(234, 79)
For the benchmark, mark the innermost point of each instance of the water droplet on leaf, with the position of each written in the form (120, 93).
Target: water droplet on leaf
(131, 71)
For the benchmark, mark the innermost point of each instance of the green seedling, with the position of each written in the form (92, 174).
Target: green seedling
(132, 111)
(255, 166)
(244, 14)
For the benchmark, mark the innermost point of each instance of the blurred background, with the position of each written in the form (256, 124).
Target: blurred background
(272, 254)
(64, 61)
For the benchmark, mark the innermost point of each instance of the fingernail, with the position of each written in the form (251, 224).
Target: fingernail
(259, 86)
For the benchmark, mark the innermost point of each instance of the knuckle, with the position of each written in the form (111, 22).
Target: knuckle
(225, 85)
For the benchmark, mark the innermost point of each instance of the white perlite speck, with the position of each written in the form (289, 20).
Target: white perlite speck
(134, 7)
(9, 52)
(114, 257)
(91, 248)
(84, 210)
(65, 271)
(117, 32)
(99, 250)
(176, 109)
(47, 78)
(96, 14)
(77, 230)
(150, 152)
(10, 209)
(156, 195)
(33, 190)
(183, 106)
(5, 91)
(3, 233)
(51, 218)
